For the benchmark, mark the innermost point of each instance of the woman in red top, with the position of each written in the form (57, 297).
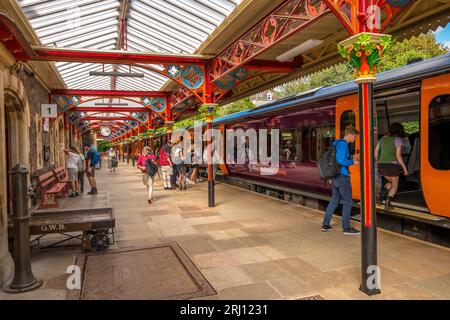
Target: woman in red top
(166, 165)
(147, 153)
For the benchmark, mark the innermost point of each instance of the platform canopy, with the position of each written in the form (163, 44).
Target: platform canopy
(168, 57)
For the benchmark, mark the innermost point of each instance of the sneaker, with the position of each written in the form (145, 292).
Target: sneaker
(71, 195)
(326, 228)
(351, 231)
(76, 194)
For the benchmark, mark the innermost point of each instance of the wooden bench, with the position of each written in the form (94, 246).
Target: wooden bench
(62, 177)
(50, 188)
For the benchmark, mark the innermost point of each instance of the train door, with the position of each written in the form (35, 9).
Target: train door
(402, 105)
(347, 115)
(435, 149)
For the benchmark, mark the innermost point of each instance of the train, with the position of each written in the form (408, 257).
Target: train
(416, 95)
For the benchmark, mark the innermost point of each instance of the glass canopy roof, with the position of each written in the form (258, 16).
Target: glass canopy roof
(166, 26)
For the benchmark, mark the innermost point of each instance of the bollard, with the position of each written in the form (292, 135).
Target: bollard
(24, 279)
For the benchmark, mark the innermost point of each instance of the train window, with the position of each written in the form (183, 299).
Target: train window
(439, 131)
(348, 119)
(320, 139)
(291, 145)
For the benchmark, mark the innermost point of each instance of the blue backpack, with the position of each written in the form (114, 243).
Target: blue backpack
(95, 158)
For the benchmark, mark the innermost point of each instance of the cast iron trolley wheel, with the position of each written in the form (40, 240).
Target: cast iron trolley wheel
(99, 242)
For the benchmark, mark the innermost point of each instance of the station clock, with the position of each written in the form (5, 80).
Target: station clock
(105, 131)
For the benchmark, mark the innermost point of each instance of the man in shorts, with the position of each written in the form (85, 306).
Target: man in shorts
(92, 159)
(72, 169)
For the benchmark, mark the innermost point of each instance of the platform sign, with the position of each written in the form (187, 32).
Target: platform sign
(49, 110)
(46, 125)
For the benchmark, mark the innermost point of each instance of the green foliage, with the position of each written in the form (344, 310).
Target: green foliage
(234, 107)
(399, 53)
(189, 121)
(336, 74)
(411, 127)
(103, 145)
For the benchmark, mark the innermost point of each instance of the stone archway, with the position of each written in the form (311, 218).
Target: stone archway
(14, 148)
(17, 125)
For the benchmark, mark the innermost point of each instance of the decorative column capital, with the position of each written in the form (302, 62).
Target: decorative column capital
(208, 110)
(363, 52)
(169, 125)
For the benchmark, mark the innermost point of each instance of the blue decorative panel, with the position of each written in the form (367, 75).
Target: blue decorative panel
(192, 77)
(158, 104)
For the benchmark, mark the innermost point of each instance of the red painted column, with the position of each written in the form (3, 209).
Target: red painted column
(169, 123)
(369, 263)
(363, 51)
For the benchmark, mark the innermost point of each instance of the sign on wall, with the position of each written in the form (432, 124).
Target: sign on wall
(49, 110)
(46, 125)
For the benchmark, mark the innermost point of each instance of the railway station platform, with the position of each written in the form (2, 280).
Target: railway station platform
(251, 246)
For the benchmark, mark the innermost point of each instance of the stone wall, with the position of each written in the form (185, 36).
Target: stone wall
(36, 95)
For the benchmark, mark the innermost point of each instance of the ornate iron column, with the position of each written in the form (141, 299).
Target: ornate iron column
(24, 279)
(363, 51)
(169, 127)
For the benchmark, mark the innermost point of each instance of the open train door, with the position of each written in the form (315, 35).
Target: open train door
(435, 143)
(347, 114)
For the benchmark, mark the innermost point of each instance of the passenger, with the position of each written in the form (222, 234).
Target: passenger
(289, 150)
(72, 170)
(406, 148)
(178, 159)
(341, 185)
(81, 170)
(174, 176)
(195, 161)
(157, 161)
(92, 160)
(166, 165)
(147, 177)
(112, 160)
(388, 153)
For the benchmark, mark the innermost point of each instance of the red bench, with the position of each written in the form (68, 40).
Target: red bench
(50, 187)
(61, 175)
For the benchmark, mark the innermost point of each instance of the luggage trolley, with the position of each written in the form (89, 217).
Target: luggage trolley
(94, 227)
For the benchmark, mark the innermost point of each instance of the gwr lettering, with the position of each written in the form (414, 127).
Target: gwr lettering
(53, 227)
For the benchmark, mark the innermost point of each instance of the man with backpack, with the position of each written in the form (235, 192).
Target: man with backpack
(341, 186)
(92, 159)
(147, 164)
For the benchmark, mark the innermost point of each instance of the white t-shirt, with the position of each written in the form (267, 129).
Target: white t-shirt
(72, 161)
(178, 155)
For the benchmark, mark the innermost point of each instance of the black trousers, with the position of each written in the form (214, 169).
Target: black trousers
(175, 175)
(81, 180)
